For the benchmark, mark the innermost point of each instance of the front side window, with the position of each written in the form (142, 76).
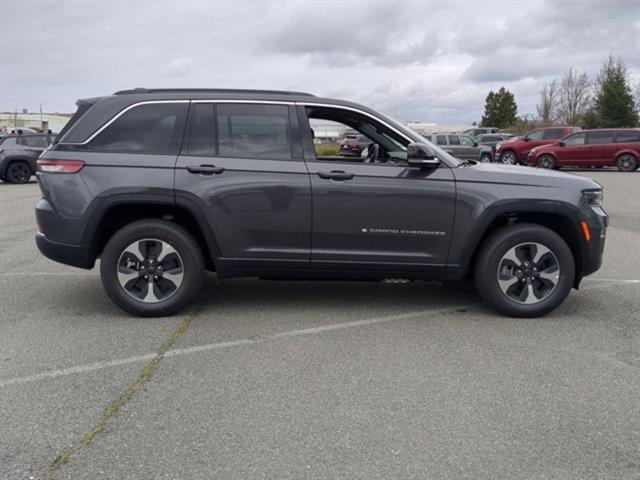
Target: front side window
(535, 135)
(599, 137)
(467, 141)
(149, 129)
(254, 131)
(575, 139)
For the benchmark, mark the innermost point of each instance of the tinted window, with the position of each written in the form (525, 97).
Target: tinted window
(254, 131)
(575, 139)
(536, 135)
(441, 140)
(153, 128)
(553, 134)
(467, 141)
(625, 137)
(454, 140)
(37, 142)
(600, 137)
(202, 134)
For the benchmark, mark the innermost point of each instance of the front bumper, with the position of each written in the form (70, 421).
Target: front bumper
(593, 251)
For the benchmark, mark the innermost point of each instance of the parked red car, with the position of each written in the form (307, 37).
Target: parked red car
(515, 151)
(587, 148)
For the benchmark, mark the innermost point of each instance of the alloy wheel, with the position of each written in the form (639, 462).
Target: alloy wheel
(150, 270)
(528, 273)
(508, 158)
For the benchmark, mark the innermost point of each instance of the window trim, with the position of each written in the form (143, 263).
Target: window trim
(118, 115)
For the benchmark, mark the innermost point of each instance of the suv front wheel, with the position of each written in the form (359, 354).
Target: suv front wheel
(152, 268)
(524, 270)
(509, 158)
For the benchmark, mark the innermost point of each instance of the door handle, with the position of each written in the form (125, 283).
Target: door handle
(205, 169)
(336, 175)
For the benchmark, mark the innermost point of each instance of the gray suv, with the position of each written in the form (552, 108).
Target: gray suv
(18, 155)
(163, 185)
(462, 146)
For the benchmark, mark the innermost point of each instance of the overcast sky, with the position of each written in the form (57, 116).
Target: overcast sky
(424, 61)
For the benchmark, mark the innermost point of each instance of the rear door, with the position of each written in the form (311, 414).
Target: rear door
(241, 165)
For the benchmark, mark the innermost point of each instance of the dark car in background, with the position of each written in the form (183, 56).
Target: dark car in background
(474, 132)
(591, 148)
(18, 155)
(462, 146)
(492, 139)
(354, 144)
(516, 150)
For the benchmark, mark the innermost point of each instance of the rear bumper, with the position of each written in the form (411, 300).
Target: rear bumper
(74, 255)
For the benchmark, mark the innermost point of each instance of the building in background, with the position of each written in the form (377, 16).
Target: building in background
(44, 121)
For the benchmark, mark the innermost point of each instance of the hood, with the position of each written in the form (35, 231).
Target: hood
(520, 175)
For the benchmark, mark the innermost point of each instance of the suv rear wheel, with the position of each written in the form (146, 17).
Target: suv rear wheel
(626, 163)
(152, 268)
(18, 172)
(524, 270)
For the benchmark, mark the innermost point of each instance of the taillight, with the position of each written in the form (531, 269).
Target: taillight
(60, 166)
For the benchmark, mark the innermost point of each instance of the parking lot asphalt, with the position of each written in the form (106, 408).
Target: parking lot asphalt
(344, 380)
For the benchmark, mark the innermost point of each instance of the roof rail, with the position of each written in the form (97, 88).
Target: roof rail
(208, 90)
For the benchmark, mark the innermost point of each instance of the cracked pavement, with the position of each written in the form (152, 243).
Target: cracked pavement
(291, 380)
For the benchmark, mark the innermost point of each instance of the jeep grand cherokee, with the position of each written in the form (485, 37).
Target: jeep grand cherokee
(164, 184)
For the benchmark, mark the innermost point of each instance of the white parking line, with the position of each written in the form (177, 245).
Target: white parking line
(221, 345)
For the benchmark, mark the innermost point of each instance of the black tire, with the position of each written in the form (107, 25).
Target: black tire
(189, 256)
(492, 254)
(509, 158)
(547, 161)
(627, 162)
(18, 172)
(485, 158)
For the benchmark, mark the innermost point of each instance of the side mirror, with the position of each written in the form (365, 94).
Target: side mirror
(475, 143)
(561, 143)
(421, 155)
(526, 139)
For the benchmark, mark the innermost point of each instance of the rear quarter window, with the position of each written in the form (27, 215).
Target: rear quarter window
(145, 129)
(628, 137)
(599, 137)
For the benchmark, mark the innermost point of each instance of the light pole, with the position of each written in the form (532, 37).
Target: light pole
(41, 105)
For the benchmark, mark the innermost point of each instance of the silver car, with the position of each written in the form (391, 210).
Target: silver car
(462, 146)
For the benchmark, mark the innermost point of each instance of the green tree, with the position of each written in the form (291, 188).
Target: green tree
(500, 109)
(614, 103)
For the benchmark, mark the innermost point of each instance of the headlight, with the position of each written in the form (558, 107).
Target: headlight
(593, 197)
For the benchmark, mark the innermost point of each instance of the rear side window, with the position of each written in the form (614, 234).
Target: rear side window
(599, 137)
(254, 131)
(441, 140)
(152, 129)
(37, 142)
(553, 134)
(454, 140)
(627, 137)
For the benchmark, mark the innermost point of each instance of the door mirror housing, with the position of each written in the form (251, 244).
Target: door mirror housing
(526, 139)
(421, 155)
(561, 143)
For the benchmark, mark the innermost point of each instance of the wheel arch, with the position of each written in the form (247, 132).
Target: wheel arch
(559, 217)
(119, 212)
(7, 161)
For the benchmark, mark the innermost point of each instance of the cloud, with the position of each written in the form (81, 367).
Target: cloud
(431, 61)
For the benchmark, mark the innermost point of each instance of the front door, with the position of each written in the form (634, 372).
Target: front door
(241, 164)
(377, 213)
(574, 151)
